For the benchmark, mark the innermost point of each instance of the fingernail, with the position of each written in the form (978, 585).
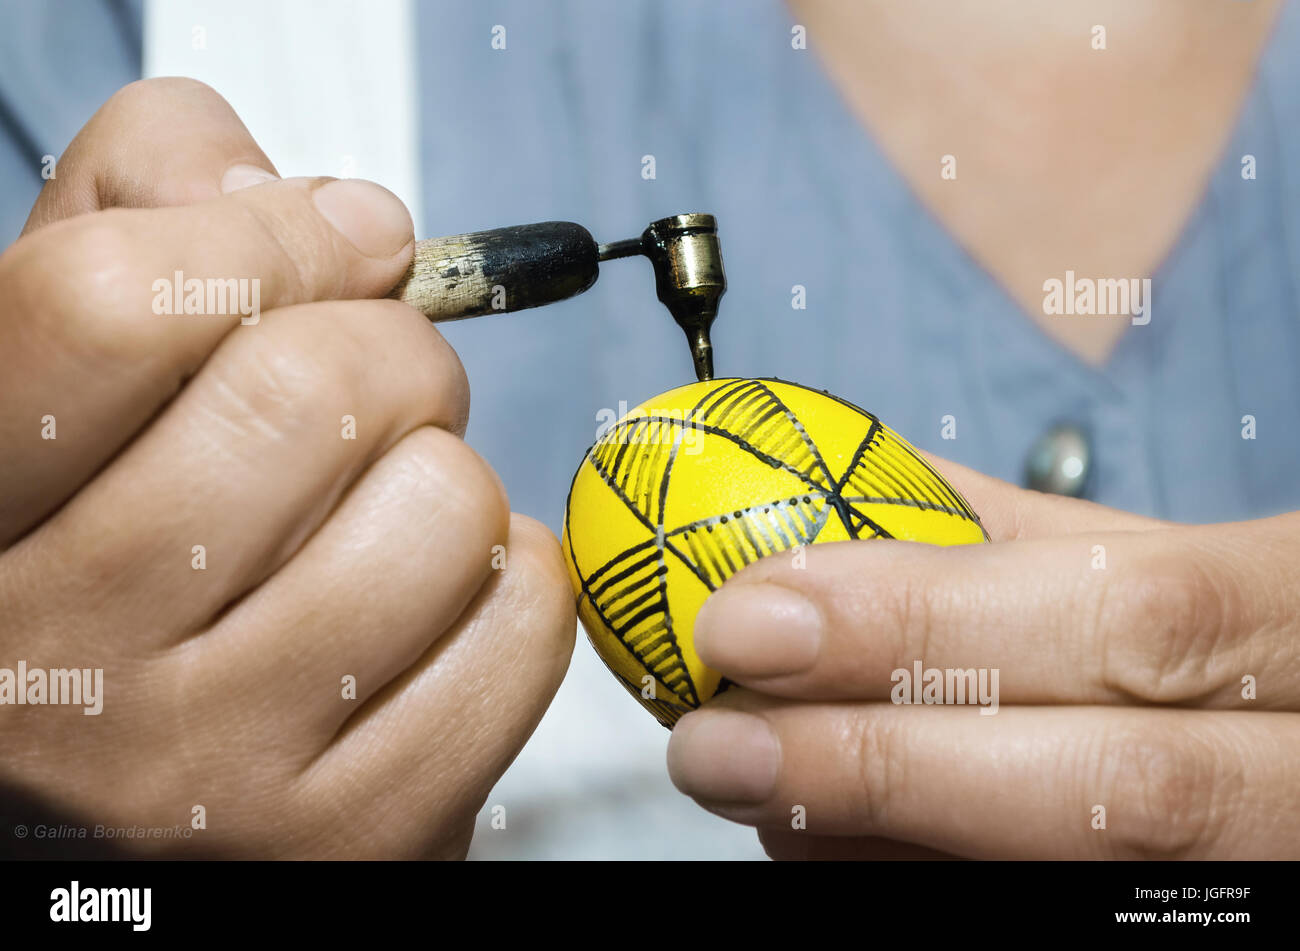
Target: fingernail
(244, 176)
(724, 756)
(368, 215)
(758, 630)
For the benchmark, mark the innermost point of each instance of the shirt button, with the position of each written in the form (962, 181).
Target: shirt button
(1060, 461)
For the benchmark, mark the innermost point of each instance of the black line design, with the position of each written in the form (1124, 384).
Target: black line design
(629, 592)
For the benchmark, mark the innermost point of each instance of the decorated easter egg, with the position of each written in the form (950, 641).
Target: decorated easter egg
(693, 485)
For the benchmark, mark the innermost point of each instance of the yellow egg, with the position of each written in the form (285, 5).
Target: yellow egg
(693, 485)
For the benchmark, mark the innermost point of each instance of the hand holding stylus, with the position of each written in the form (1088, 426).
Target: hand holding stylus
(306, 594)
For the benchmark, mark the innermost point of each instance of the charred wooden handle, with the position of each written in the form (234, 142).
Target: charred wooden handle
(499, 271)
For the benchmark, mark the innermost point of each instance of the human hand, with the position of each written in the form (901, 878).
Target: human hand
(329, 550)
(1147, 670)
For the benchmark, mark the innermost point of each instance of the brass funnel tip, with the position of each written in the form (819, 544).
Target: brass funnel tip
(689, 278)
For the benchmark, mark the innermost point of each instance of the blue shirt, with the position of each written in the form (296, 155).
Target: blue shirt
(899, 317)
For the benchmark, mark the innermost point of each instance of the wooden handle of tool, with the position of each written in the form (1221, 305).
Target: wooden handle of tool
(499, 271)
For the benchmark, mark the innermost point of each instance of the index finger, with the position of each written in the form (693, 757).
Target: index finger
(1177, 616)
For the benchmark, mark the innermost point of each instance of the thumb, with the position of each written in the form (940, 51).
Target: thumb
(155, 143)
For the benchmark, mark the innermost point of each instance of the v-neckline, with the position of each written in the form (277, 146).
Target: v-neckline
(994, 299)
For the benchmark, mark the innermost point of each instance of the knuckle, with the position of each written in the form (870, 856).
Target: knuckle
(80, 283)
(447, 467)
(261, 382)
(145, 97)
(411, 338)
(537, 546)
(534, 556)
(452, 400)
(1163, 630)
(103, 250)
(1165, 789)
(880, 769)
(905, 611)
(299, 263)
